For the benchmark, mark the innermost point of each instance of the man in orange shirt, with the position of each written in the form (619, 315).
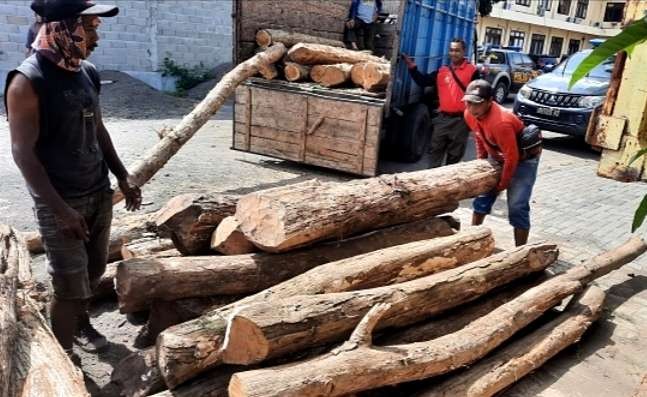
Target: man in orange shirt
(497, 135)
(450, 133)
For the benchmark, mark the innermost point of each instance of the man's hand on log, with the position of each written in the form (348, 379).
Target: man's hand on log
(132, 194)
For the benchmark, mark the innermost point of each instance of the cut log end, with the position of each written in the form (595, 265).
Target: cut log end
(295, 72)
(244, 342)
(229, 240)
(263, 38)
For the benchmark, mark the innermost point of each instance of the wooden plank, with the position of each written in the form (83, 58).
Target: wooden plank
(351, 147)
(374, 115)
(332, 154)
(284, 150)
(276, 135)
(326, 162)
(337, 109)
(614, 163)
(333, 127)
(240, 142)
(242, 94)
(608, 133)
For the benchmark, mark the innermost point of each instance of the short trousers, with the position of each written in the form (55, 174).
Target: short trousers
(518, 193)
(75, 266)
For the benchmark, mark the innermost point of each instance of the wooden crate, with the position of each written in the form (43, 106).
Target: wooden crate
(308, 127)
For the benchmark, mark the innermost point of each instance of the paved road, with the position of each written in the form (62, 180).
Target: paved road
(583, 213)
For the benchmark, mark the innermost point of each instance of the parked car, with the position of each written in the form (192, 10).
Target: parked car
(544, 63)
(547, 102)
(506, 69)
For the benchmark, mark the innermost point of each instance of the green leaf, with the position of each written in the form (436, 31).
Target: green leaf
(633, 34)
(640, 214)
(630, 50)
(641, 152)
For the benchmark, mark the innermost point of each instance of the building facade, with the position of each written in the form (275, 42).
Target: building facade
(139, 38)
(551, 27)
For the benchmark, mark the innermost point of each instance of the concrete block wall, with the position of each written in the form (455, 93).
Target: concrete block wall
(138, 39)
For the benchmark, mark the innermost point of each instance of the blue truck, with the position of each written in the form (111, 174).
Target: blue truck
(344, 129)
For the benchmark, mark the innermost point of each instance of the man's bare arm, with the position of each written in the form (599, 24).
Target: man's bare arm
(24, 126)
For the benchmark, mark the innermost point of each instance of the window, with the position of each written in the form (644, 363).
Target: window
(573, 46)
(527, 61)
(496, 58)
(542, 7)
(537, 44)
(582, 7)
(556, 46)
(493, 36)
(614, 12)
(547, 4)
(564, 7)
(516, 39)
(515, 58)
(523, 2)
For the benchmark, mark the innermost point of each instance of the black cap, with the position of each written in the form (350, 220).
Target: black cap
(57, 10)
(478, 91)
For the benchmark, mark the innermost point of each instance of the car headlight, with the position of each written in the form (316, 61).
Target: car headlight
(590, 101)
(525, 91)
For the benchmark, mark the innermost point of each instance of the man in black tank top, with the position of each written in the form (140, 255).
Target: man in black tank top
(64, 152)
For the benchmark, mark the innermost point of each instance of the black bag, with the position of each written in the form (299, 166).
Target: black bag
(528, 142)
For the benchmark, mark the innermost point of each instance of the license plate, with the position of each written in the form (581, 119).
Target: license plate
(548, 112)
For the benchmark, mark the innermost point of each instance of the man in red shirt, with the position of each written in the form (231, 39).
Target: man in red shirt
(496, 134)
(450, 133)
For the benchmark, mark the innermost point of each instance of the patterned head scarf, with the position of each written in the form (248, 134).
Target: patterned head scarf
(63, 43)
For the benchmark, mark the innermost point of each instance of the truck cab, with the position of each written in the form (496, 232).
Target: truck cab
(344, 129)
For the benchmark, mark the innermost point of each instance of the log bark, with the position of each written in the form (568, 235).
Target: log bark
(283, 218)
(141, 280)
(191, 219)
(229, 240)
(513, 362)
(173, 139)
(34, 243)
(295, 72)
(266, 37)
(331, 75)
(137, 374)
(458, 318)
(261, 331)
(14, 269)
(164, 314)
(148, 246)
(641, 391)
(41, 367)
(183, 342)
(337, 373)
(319, 54)
(268, 72)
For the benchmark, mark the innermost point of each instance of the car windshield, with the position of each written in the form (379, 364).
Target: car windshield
(602, 71)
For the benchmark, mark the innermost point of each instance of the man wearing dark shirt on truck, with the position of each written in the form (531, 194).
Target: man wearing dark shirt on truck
(361, 20)
(450, 132)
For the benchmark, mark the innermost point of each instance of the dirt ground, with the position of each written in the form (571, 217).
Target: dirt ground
(589, 216)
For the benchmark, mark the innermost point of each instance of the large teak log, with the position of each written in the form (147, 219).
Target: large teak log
(146, 247)
(14, 269)
(268, 72)
(141, 280)
(331, 75)
(173, 139)
(295, 72)
(338, 373)
(283, 218)
(513, 362)
(41, 367)
(371, 76)
(229, 240)
(182, 354)
(191, 219)
(318, 54)
(265, 38)
(265, 330)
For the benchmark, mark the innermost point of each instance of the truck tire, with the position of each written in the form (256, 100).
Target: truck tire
(501, 92)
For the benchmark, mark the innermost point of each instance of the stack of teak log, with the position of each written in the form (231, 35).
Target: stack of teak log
(325, 289)
(324, 61)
